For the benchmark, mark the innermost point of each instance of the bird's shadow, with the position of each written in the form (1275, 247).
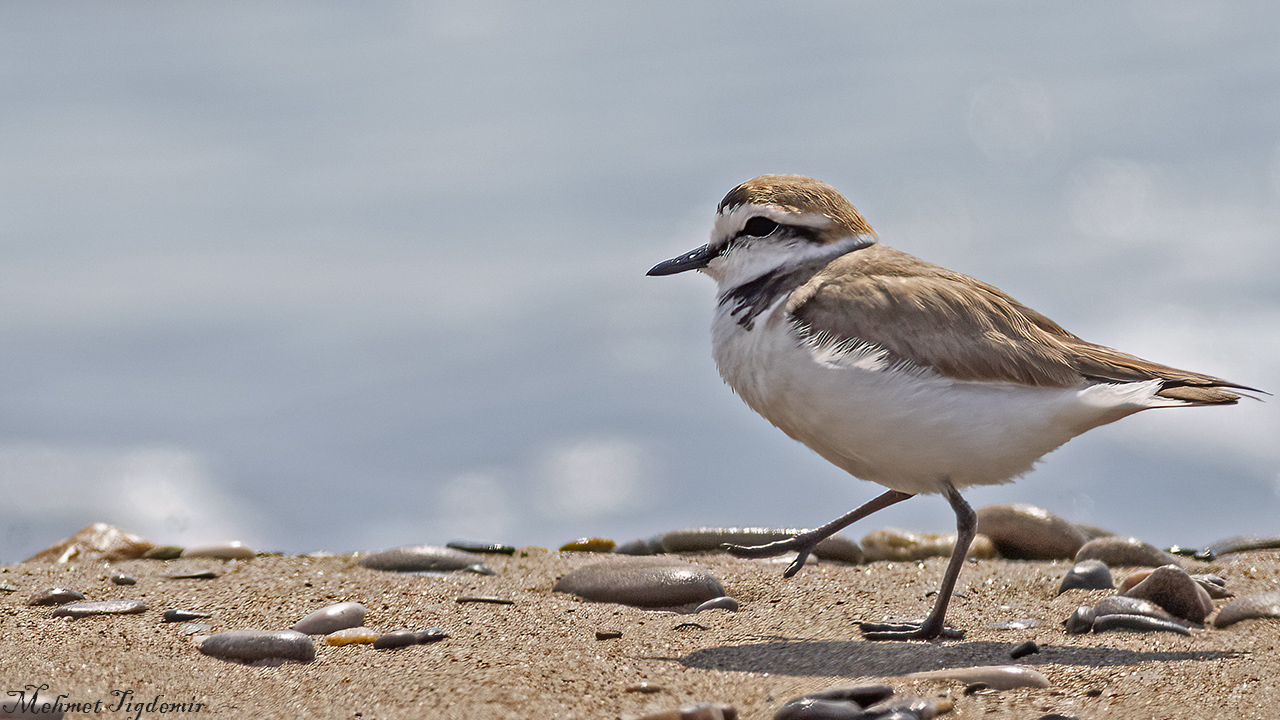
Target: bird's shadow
(853, 658)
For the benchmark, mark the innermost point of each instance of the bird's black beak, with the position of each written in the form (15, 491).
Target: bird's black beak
(692, 260)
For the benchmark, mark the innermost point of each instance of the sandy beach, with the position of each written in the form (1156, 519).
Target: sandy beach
(540, 656)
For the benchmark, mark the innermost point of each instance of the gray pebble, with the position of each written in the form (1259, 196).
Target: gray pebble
(1137, 623)
(332, 618)
(720, 603)
(1240, 544)
(865, 695)
(249, 646)
(1087, 575)
(483, 548)
(101, 607)
(184, 615)
(1026, 532)
(396, 639)
(420, 558)
(55, 596)
(164, 552)
(222, 551)
(1125, 552)
(836, 547)
(433, 634)
(480, 569)
(810, 708)
(1125, 605)
(1027, 648)
(1214, 585)
(120, 578)
(1080, 621)
(996, 677)
(1249, 607)
(193, 628)
(1173, 589)
(643, 583)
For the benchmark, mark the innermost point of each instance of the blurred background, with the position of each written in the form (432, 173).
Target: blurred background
(340, 276)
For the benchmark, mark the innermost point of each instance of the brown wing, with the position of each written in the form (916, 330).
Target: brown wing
(968, 330)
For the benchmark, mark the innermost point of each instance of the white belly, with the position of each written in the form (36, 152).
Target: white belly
(905, 428)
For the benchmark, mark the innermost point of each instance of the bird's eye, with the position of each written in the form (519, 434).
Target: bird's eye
(759, 226)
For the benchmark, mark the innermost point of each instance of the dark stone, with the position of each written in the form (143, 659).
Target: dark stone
(102, 607)
(420, 558)
(1087, 575)
(249, 646)
(482, 548)
(184, 615)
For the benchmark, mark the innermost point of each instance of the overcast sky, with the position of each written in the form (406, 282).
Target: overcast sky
(345, 276)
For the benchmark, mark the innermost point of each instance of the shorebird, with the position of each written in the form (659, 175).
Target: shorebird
(898, 371)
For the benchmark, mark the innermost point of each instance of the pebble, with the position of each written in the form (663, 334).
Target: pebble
(420, 558)
(996, 677)
(1080, 621)
(699, 711)
(1018, 624)
(332, 618)
(1087, 575)
(1173, 589)
(55, 596)
(645, 546)
(405, 638)
(348, 636)
(608, 634)
(1249, 607)
(194, 574)
(480, 569)
(1214, 585)
(193, 628)
(482, 548)
(720, 603)
(644, 687)
(163, 552)
(651, 583)
(101, 607)
(903, 545)
(1125, 605)
(836, 547)
(184, 615)
(1125, 552)
(120, 578)
(834, 703)
(98, 541)
(1137, 623)
(485, 599)
(590, 545)
(1026, 532)
(224, 551)
(1027, 648)
(1239, 545)
(249, 646)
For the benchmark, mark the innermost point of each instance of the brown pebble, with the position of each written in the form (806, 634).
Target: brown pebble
(483, 599)
(1125, 552)
(1249, 607)
(608, 634)
(1173, 589)
(1026, 532)
(642, 582)
(102, 607)
(589, 545)
(644, 687)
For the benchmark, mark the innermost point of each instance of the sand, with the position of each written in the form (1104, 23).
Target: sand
(540, 657)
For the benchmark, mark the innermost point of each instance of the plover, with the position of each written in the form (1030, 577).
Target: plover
(898, 371)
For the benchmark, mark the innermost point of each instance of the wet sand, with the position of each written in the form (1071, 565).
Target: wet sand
(540, 657)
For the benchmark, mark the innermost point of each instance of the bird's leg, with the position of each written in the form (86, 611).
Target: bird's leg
(934, 626)
(806, 541)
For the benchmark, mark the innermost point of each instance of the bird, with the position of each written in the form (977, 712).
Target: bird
(898, 371)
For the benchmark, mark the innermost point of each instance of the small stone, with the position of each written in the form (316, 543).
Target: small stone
(865, 695)
(250, 646)
(98, 541)
(163, 552)
(481, 548)
(1173, 589)
(811, 708)
(1087, 575)
(1026, 532)
(120, 578)
(643, 583)
(184, 615)
(1027, 648)
(348, 636)
(1080, 621)
(101, 607)
(193, 574)
(904, 546)
(1019, 624)
(332, 618)
(996, 677)
(1239, 545)
(905, 707)
(1125, 605)
(431, 635)
(1249, 607)
(1137, 623)
(55, 596)
(420, 558)
(644, 687)
(1214, 585)
(590, 545)
(720, 603)
(836, 547)
(224, 551)
(1125, 552)
(485, 599)
(193, 628)
(396, 639)
(608, 634)
(480, 569)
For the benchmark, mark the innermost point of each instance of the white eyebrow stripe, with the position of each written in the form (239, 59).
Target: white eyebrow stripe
(731, 220)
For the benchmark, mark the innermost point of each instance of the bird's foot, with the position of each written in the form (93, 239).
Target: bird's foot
(909, 631)
(803, 544)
